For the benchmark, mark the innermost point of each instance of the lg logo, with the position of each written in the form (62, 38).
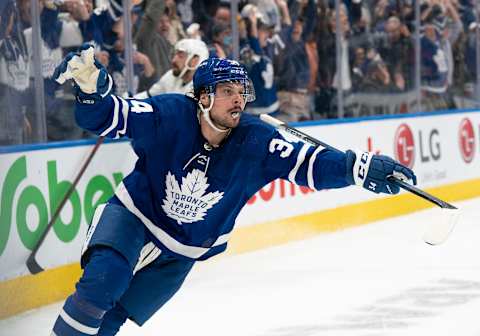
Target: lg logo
(428, 145)
(404, 145)
(466, 140)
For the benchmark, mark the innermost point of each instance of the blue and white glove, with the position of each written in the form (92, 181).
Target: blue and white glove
(371, 172)
(92, 82)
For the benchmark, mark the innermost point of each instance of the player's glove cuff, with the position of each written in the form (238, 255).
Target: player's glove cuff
(371, 172)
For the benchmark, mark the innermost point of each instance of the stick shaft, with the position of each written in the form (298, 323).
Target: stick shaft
(31, 262)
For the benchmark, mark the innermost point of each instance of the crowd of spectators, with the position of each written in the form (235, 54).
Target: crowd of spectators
(290, 48)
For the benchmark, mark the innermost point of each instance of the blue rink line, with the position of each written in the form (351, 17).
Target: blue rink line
(88, 142)
(56, 144)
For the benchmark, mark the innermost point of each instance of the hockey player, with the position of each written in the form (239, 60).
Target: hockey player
(199, 161)
(188, 54)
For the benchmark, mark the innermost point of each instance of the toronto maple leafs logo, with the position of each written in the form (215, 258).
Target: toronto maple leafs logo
(189, 203)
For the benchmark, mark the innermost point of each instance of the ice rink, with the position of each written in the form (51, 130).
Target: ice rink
(376, 280)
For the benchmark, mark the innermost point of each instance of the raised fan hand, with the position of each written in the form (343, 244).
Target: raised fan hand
(90, 77)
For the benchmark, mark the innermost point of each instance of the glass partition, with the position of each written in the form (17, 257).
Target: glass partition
(440, 31)
(17, 97)
(309, 60)
(379, 58)
(466, 58)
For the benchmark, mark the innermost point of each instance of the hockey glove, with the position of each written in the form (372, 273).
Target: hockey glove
(371, 172)
(91, 80)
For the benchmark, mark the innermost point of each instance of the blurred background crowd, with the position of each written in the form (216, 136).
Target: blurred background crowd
(308, 59)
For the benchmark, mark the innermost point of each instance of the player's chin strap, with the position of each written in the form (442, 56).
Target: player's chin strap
(206, 115)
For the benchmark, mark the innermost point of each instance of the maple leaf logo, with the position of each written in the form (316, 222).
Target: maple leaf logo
(189, 202)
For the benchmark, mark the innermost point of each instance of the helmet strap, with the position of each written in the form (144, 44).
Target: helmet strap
(206, 114)
(187, 66)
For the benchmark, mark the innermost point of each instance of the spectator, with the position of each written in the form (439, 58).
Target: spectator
(185, 10)
(55, 35)
(434, 66)
(188, 54)
(453, 29)
(258, 64)
(292, 71)
(151, 40)
(396, 49)
(358, 66)
(96, 29)
(222, 15)
(221, 45)
(204, 15)
(14, 76)
(270, 13)
(469, 65)
(325, 43)
(377, 78)
(344, 82)
(141, 63)
(175, 31)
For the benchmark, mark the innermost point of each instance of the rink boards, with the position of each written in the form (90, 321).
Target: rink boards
(442, 148)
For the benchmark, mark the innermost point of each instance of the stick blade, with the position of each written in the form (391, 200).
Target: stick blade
(438, 231)
(33, 265)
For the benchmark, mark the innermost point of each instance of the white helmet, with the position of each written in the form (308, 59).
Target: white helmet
(192, 47)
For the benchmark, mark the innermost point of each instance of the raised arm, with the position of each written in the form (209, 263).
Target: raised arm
(97, 110)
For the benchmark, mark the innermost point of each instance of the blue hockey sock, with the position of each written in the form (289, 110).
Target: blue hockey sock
(106, 276)
(78, 318)
(113, 320)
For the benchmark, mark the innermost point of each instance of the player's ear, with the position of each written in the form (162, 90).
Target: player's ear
(205, 99)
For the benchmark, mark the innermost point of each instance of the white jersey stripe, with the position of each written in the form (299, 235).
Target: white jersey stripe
(148, 254)
(110, 85)
(310, 180)
(125, 109)
(169, 242)
(77, 325)
(115, 117)
(112, 13)
(96, 218)
(300, 158)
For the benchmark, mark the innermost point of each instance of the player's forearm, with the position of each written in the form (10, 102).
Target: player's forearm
(97, 117)
(106, 117)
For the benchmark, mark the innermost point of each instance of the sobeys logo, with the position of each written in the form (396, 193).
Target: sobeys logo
(98, 190)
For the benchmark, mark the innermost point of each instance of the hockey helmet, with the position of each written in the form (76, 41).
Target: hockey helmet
(219, 70)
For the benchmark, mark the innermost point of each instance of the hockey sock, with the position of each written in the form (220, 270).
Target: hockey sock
(106, 276)
(78, 318)
(113, 320)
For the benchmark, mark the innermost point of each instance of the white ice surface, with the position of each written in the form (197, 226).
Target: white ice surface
(376, 280)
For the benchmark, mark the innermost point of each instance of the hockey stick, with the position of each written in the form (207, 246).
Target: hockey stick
(435, 235)
(31, 262)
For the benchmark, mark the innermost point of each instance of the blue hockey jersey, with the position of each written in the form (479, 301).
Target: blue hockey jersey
(260, 68)
(187, 193)
(434, 69)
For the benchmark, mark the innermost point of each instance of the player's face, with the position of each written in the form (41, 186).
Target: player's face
(178, 62)
(228, 105)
